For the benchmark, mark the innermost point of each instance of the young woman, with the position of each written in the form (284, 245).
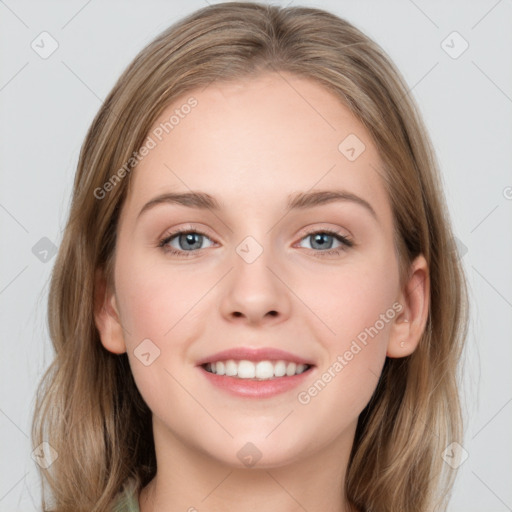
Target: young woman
(257, 303)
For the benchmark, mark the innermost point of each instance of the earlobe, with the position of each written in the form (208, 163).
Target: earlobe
(410, 324)
(106, 316)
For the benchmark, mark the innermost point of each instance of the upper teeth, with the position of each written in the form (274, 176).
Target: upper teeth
(260, 370)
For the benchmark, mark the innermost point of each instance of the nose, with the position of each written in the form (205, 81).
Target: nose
(255, 292)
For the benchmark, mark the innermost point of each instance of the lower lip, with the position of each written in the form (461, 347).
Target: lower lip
(249, 388)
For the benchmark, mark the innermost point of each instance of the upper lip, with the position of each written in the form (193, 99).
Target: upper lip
(254, 354)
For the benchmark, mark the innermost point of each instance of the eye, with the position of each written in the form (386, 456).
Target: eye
(187, 241)
(322, 240)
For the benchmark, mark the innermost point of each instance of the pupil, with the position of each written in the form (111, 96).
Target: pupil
(190, 238)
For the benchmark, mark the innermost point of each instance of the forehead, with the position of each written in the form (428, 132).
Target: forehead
(257, 140)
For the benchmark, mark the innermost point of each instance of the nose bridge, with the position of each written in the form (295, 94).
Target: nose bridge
(254, 258)
(254, 289)
(256, 230)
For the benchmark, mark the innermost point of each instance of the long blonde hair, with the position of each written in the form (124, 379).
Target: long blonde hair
(88, 407)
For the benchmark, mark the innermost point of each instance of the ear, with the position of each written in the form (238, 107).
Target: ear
(410, 324)
(106, 316)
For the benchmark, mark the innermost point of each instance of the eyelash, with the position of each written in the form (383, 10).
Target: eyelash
(346, 242)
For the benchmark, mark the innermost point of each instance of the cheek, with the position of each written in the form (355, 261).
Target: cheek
(351, 298)
(357, 308)
(153, 298)
(361, 317)
(159, 319)
(165, 306)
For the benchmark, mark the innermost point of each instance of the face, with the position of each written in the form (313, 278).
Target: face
(318, 280)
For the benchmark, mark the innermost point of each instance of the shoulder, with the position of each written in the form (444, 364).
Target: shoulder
(127, 499)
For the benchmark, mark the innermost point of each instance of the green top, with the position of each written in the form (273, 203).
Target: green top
(127, 499)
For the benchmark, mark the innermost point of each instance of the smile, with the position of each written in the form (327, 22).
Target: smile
(256, 370)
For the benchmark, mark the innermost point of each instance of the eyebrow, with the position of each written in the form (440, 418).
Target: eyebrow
(297, 201)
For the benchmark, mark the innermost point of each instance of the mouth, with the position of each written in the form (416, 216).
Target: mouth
(256, 372)
(265, 370)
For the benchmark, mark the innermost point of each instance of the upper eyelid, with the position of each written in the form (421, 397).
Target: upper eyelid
(190, 227)
(185, 230)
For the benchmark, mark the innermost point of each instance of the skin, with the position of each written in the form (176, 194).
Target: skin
(250, 144)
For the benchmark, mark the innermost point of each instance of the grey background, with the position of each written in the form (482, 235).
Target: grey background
(47, 105)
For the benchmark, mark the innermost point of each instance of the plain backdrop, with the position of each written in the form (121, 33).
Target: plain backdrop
(47, 104)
